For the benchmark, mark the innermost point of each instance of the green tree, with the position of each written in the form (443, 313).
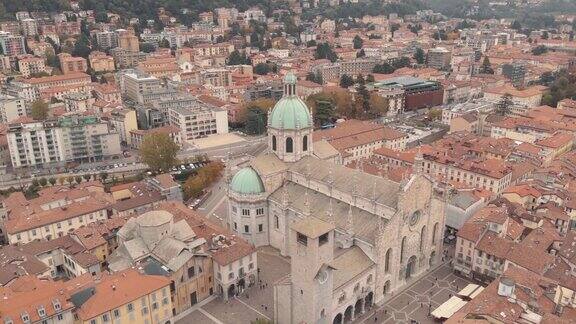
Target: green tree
(43, 182)
(486, 66)
(52, 181)
(434, 114)
(256, 120)
(159, 152)
(516, 25)
(419, 56)
(103, 176)
(539, 50)
(87, 177)
(78, 179)
(504, 105)
(311, 43)
(324, 112)
(236, 58)
(39, 110)
(262, 69)
(346, 81)
(147, 47)
(384, 68)
(82, 47)
(164, 43)
(358, 42)
(325, 51)
(361, 53)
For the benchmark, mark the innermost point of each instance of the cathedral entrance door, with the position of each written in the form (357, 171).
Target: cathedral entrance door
(410, 267)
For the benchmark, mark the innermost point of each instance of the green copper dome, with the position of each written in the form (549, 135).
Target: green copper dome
(290, 112)
(247, 181)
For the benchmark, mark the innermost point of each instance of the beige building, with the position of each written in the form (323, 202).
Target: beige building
(200, 122)
(31, 65)
(100, 62)
(70, 64)
(128, 41)
(11, 108)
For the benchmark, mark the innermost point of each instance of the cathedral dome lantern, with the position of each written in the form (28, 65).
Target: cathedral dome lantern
(247, 182)
(290, 124)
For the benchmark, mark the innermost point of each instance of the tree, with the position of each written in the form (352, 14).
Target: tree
(384, 68)
(262, 69)
(358, 42)
(159, 151)
(39, 110)
(82, 47)
(419, 56)
(434, 114)
(78, 179)
(103, 176)
(346, 81)
(207, 175)
(370, 78)
(325, 51)
(311, 43)
(235, 58)
(504, 105)
(147, 47)
(516, 25)
(87, 177)
(361, 53)
(164, 43)
(52, 181)
(43, 182)
(324, 112)
(486, 67)
(539, 50)
(378, 105)
(545, 35)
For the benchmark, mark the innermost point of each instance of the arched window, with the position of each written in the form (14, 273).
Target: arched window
(305, 143)
(434, 231)
(289, 145)
(387, 260)
(274, 143)
(402, 246)
(422, 237)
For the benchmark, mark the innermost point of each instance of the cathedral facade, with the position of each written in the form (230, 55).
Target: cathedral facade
(353, 238)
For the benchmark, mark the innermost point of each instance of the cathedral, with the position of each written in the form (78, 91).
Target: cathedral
(353, 238)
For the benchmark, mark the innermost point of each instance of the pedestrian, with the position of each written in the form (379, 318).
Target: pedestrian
(421, 304)
(375, 319)
(266, 308)
(385, 311)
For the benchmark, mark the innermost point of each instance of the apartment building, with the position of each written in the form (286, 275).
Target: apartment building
(159, 67)
(107, 39)
(356, 139)
(439, 58)
(68, 80)
(124, 297)
(486, 173)
(12, 45)
(529, 97)
(137, 136)
(24, 90)
(136, 86)
(100, 62)
(128, 41)
(73, 138)
(125, 59)
(30, 65)
(11, 108)
(70, 64)
(123, 121)
(199, 122)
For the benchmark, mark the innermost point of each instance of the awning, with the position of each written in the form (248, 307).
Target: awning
(449, 307)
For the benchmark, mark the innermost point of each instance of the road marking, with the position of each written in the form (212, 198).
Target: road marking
(214, 319)
(252, 308)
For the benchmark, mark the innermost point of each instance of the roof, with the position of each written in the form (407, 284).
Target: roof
(15, 262)
(115, 290)
(312, 227)
(290, 112)
(247, 181)
(349, 265)
(29, 294)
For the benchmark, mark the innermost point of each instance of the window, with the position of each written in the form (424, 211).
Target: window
(116, 313)
(246, 229)
(144, 310)
(93, 321)
(305, 143)
(402, 246)
(276, 222)
(260, 211)
(60, 317)
(41, 311)
(235, 226)
(289, 145)
(191, 272)
(260, 228)
(387, 260)
(245, 212)
(25, 317)
(154, 306)
(105, 318)
(274, 143)
(130, 307)
(323, 239)
(302, 239)
(165, 301)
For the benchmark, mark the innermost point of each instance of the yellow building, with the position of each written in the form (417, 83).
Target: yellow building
(127, 297)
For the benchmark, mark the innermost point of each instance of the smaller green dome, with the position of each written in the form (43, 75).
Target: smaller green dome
(247, 181)
(290, 78)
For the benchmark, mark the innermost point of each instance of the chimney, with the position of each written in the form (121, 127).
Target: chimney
(114, 287)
